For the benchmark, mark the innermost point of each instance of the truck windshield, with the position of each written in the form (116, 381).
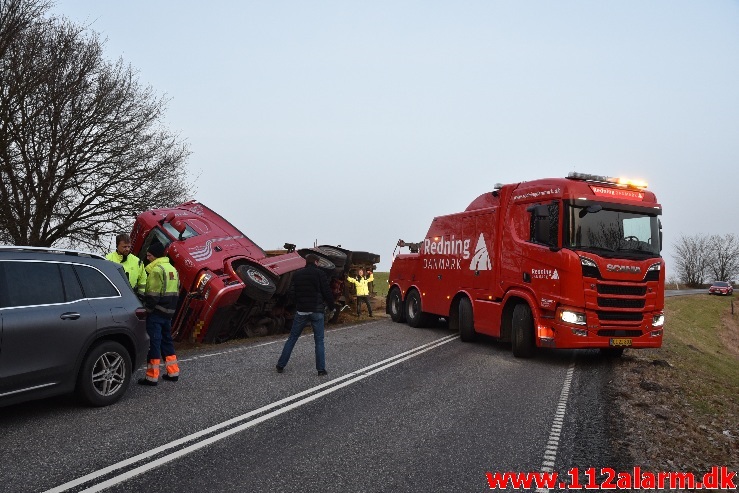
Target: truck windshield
(604, 229)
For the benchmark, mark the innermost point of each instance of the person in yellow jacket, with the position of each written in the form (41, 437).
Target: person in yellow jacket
(160, 300)
(362, 284)
(132, 265)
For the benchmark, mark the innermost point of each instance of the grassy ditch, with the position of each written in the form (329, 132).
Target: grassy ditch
(679, 404)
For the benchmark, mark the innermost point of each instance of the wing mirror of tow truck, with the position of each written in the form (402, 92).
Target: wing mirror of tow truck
(177, 224)
(590, 210)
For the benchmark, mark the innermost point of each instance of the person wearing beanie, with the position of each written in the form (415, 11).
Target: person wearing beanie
(312, 295)
(160, 300)
(132, 265)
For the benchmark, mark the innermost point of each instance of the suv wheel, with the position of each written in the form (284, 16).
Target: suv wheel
(105, 374)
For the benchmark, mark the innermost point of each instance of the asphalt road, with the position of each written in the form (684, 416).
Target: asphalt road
(402, 409)
(683, 292)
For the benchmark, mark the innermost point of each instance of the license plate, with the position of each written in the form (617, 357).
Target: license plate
(620, 342)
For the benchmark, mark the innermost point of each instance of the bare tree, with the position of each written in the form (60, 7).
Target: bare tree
(16, 16)
(83, 149)
(691, 259)
(723, 261)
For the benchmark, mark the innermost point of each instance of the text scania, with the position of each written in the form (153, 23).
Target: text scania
(623, 268)
(452, 246)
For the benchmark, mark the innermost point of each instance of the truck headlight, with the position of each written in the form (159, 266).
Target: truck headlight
(658, 320)
(572, 317)
(202, 281)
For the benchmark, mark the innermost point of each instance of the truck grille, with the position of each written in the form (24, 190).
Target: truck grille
(625, 300)
(621, 302)
(622, 289)
(620, 316)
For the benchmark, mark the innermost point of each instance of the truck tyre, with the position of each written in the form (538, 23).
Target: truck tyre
(324, 263)
(413, 310)
(258, 285)
(522, 333)
(395, 305)
(466, 321)
(611, 352)
(105, 374)
(334, 255)
(365, 258)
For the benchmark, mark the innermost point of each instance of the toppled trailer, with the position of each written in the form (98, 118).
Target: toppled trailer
(229, 285)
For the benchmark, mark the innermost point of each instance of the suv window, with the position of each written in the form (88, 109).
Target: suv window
(72, 288)
(94, 283)
(31, 283)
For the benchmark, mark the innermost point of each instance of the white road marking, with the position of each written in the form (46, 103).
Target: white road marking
(329, 387)
(550, 454)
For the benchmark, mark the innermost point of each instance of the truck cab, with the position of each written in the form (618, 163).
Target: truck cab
(227, 280)
(230, 286)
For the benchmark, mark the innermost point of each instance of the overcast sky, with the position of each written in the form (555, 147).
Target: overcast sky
(355, 123)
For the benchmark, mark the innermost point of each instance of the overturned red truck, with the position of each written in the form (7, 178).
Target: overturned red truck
(561, 262)
(229, 285)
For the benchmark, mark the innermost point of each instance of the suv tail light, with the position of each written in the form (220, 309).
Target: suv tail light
(141, 313)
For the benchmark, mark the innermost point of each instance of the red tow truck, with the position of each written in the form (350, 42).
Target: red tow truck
(229, 285)
(559, 262)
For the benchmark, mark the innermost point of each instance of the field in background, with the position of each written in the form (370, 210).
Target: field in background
(680, 404)
(380, 284)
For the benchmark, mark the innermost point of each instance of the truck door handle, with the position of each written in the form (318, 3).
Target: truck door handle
(70, 316)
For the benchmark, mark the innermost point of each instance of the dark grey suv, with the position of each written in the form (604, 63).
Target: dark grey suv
(69, 321)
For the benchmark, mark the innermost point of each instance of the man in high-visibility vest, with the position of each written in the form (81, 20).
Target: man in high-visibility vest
(132, 265)
(362, 284)
(160, 300)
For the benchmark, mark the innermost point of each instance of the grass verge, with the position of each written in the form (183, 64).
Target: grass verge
(380, 283)
(680, 403)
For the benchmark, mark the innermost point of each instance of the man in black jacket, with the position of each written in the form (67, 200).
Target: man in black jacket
(311, 290)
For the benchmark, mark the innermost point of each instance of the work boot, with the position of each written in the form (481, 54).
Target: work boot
(171, 378)
(144, 381)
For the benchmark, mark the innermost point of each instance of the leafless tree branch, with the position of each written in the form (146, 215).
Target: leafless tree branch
(83, 149)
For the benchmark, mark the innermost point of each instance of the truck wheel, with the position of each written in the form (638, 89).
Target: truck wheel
(466, 321)
(335, 255)
(522, 333)
(395, 305)
(257, 283)
(105, 374)
(324, 263)
(413, 313)
(365, 258)
(611, 352)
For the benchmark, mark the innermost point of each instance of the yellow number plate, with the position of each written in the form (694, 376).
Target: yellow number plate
(620, 342)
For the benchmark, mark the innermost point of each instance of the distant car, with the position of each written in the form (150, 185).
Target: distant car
(69, 321)
(721, 287)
